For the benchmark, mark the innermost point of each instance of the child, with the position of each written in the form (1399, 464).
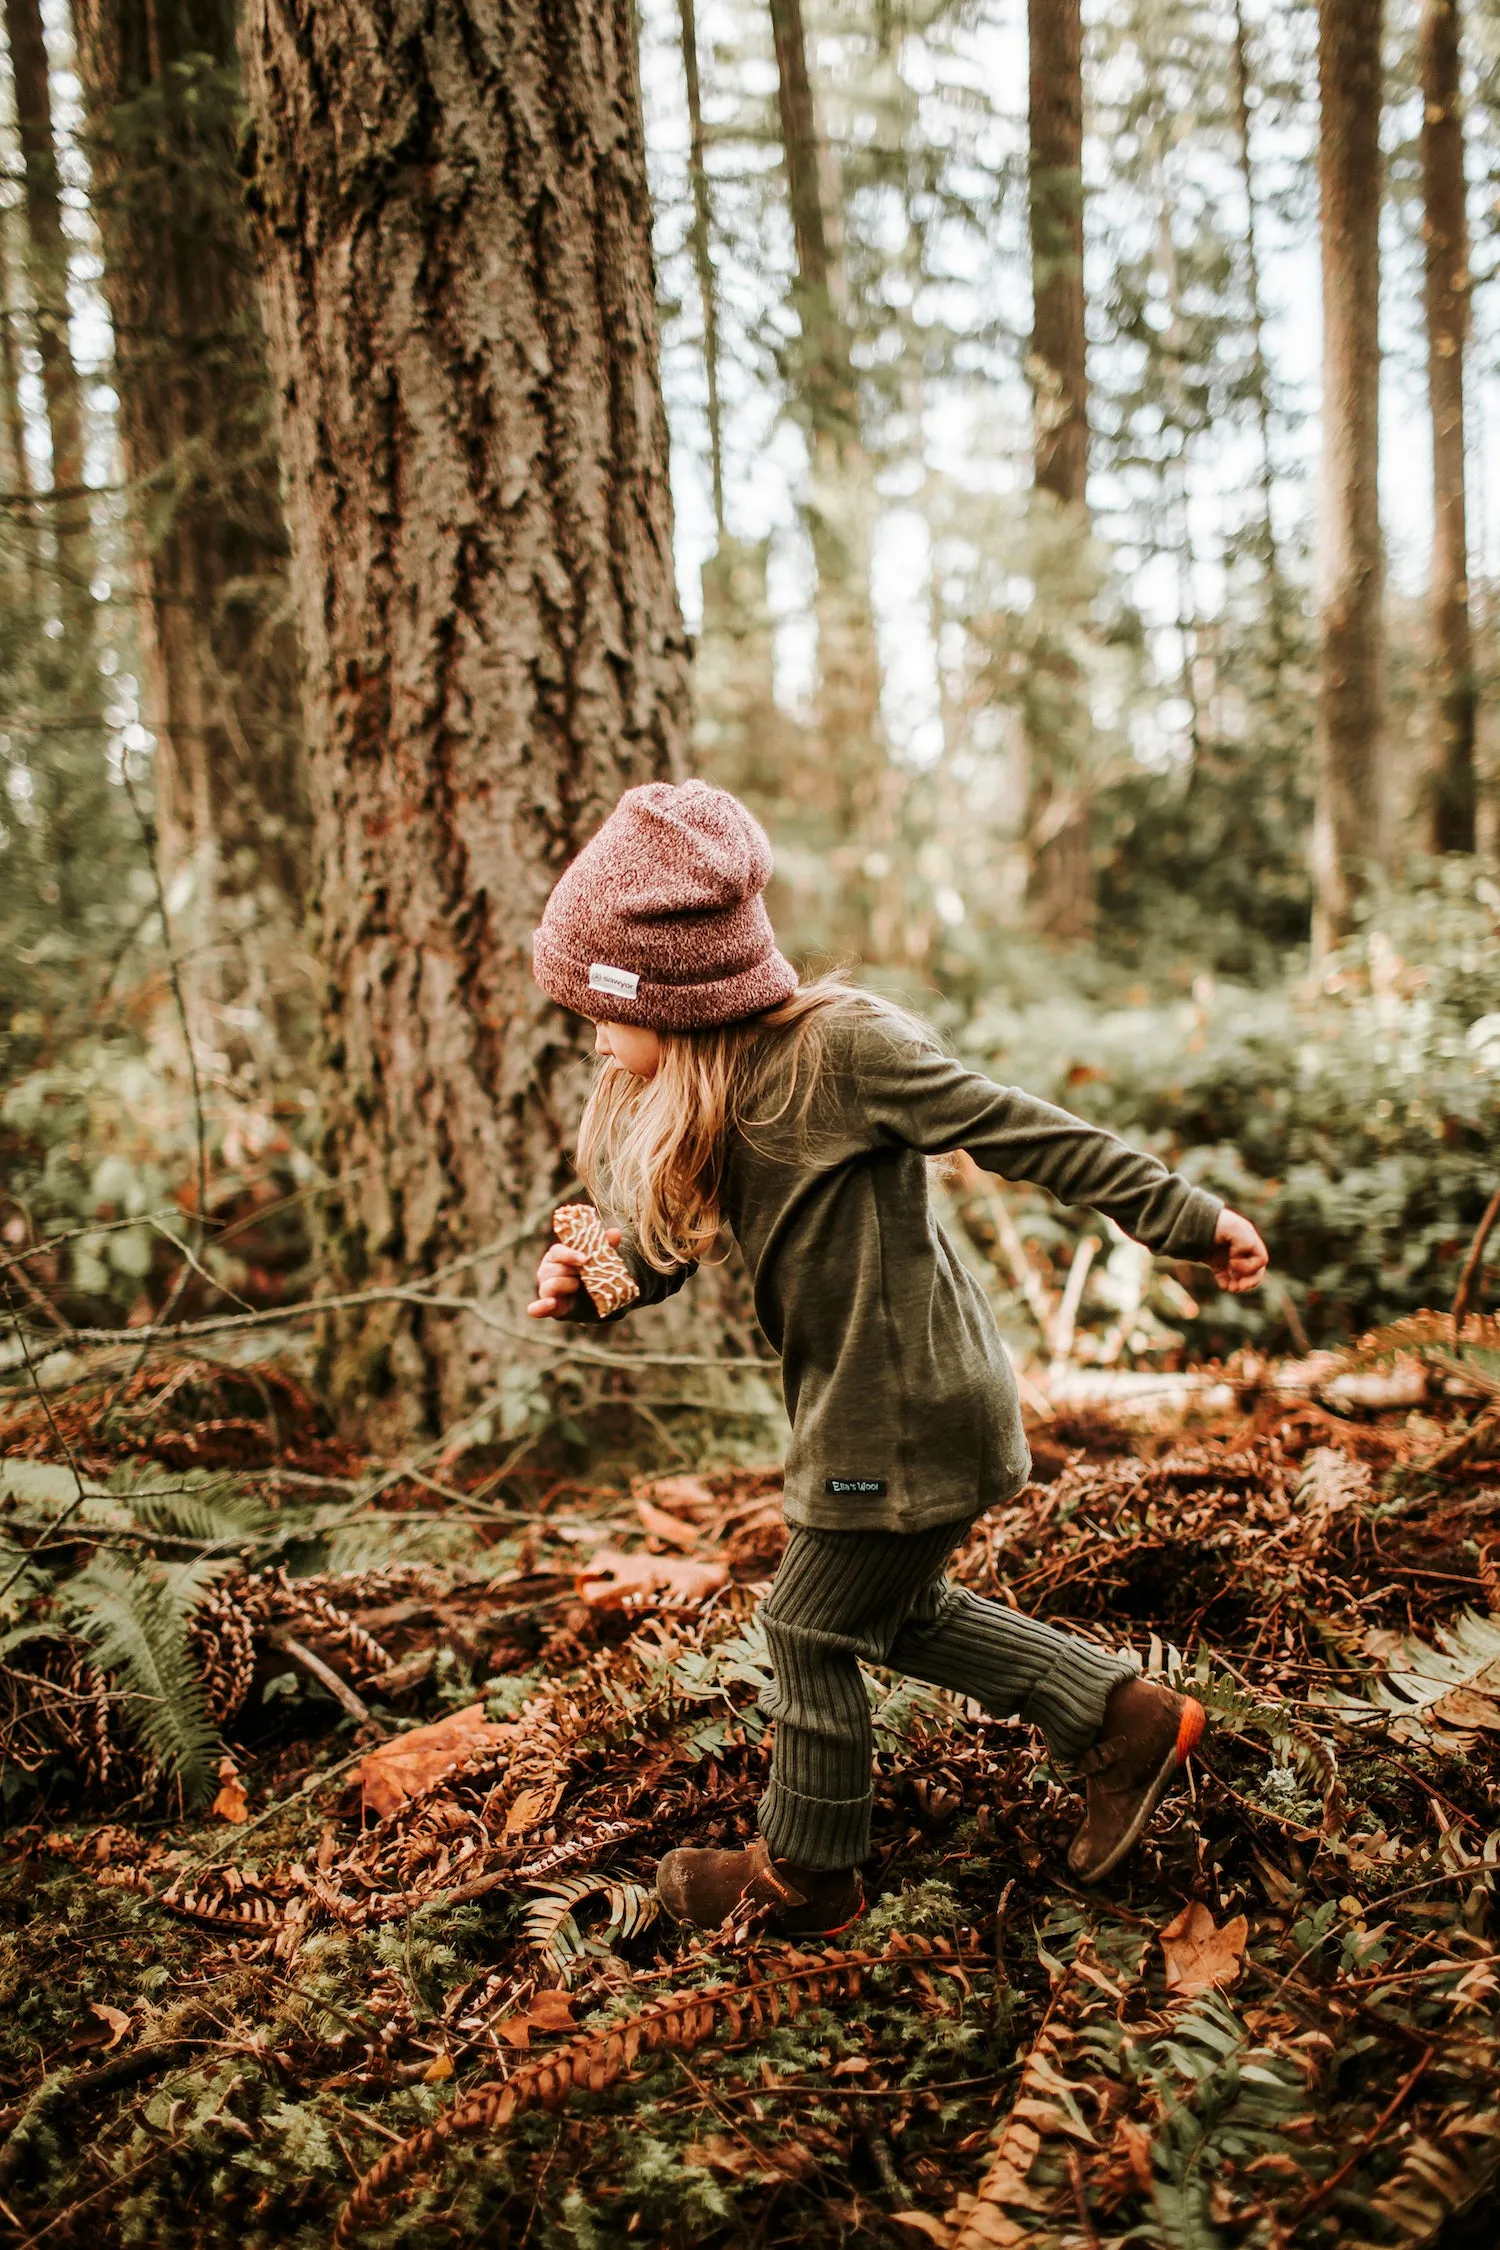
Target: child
(800, 1116)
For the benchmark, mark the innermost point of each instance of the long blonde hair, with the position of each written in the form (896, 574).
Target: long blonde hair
(652, 1150)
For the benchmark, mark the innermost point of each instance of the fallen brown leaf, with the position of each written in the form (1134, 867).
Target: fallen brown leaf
(398, 1769)
(662, 1526)
(611, 1580)
(527, 1808)
(230, 1804)
(440, 2067)
(116, 2018)
(1199, 1955)
(545, 2011)
(686, 1496)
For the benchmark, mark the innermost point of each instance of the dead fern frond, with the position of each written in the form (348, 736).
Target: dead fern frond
(597, 2060)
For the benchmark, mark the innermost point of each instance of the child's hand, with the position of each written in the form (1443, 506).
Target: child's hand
(1238, 1258)
(557, 1281)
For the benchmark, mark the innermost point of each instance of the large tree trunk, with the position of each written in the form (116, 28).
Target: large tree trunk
(1059, 810)
(1454, 697)
(1351, 657)
(218, 640)
(851, 775)
(455, 228)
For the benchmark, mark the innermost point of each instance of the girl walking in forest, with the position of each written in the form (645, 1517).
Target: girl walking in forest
(800, 1117)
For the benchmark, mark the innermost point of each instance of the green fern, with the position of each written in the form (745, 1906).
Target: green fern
(1223, 2103)
(551, 1918)
(201, 1507)
(134, 1617)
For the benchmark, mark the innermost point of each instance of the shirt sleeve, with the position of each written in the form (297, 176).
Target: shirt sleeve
(915, 1096)
(654, 1288)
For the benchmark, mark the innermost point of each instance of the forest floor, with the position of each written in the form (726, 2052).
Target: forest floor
(405, 1981)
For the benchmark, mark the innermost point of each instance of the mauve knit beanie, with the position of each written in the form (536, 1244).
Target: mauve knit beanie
(660, 920)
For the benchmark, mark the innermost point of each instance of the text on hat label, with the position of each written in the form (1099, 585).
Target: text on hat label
(623, 982)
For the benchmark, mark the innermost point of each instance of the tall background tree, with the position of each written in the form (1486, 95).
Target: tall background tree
(1351, 714)
(1060, 816)
(852, 782)
(218, 641)
(1451, 779)
(452, 213)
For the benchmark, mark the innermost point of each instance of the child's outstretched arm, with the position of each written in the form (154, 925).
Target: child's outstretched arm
(913, 1093)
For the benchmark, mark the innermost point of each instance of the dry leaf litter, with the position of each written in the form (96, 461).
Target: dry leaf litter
(402, 1979)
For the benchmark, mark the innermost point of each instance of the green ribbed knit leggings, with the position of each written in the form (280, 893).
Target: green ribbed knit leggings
(885, 1596)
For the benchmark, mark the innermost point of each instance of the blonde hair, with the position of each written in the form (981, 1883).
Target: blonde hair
(651, 1150)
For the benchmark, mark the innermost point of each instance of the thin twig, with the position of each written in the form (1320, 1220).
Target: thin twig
(326, 1676)
(313, 1308)
(67, 1452)
(1337, 2179)
(1470, 1274)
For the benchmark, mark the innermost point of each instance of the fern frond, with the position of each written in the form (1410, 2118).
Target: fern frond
(134, 1617)
(551, 1919)
(596, 2060)
(1455, 1685)
(209, 1509)
(1432, 2183)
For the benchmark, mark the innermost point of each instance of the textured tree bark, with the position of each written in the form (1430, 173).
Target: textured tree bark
(1351, 655)
(1453, 688)
(453, 220)
(1058, 821)
(219, 642)
(1058, 364)
(851, 779)
(47, 271)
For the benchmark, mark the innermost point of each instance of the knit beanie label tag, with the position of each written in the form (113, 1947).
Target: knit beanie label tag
(623, 983)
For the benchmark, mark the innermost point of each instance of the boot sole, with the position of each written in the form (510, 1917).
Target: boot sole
(1191, 1728)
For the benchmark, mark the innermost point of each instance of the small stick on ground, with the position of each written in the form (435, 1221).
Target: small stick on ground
(326, 1676)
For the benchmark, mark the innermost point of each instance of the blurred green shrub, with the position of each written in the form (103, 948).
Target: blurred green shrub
(1356, 1118)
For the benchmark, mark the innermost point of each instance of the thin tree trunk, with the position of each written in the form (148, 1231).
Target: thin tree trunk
(703, 258)
(452, 211)
(18, 532)
(1059, 811)
(1260, 372)
(1454, 694)
(852, 771)
(1351, 657)
(195, 425)
(1058, 363)
(47, 271)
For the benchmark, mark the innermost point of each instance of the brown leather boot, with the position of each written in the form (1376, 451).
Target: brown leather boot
(703, 1887)
(1147, 1737)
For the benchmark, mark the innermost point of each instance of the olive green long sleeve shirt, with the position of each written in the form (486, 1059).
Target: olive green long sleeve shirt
(902, 1401)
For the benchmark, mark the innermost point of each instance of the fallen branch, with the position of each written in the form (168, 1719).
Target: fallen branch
(596, 2060)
